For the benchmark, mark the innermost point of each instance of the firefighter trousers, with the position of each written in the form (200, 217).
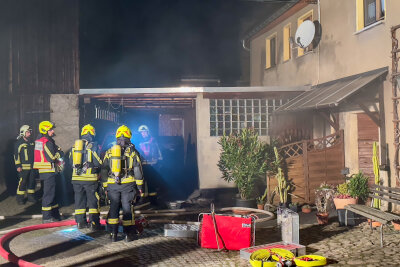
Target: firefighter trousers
(121, 195)
(26, 183)
(49, 204)
(86, 196)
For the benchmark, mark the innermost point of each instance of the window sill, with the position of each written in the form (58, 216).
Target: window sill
(369, 27)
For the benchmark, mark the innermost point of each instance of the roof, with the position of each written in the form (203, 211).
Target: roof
(332, 93)
(186, 90)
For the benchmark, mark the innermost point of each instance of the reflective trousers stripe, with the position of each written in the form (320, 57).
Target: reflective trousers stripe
(80, 211)
(127, 222)
(112, 221)
(93, 211)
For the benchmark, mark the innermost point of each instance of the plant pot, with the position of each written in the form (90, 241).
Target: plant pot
(245, 203)
(341, 202)
(322, 218)
(260, 206)
(396, 225)
(306, 210)
(374, 223)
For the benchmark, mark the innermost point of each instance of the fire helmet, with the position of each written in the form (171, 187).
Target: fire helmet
(143, 128)
(24, 129)
(45, 126)
(88, 129)
(123, 131)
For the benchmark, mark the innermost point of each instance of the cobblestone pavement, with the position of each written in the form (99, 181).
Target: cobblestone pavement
(66, 246)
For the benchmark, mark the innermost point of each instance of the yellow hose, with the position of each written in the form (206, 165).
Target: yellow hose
(317, 261)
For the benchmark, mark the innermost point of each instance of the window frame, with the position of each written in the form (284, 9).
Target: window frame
(360, 14)
(300, 20)
(287, 51)
(268, 58)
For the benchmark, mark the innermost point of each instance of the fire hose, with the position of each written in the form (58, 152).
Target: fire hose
(11, 257)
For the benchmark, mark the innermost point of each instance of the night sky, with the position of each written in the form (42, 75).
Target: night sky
(155, 43)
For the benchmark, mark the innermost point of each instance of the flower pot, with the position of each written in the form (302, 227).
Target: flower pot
(322, 218)
(396, 225)
(374, 223)
(245, 203)
(260, 206)
(305, 210)
(341, 202)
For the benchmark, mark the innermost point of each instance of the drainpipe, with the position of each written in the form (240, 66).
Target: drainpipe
(319, 45)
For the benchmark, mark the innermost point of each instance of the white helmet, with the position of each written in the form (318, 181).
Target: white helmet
(143, 128)
(24, 129)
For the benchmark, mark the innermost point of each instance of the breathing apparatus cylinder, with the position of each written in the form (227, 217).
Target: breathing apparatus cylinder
(77, 155)
(116, 162)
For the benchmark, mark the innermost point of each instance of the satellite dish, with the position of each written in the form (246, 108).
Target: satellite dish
(305, 34)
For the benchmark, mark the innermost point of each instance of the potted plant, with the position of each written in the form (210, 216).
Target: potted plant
(243, 160)
(342, 196)
(323, 198)
(306, 208)
(358, 186)
(262, 199)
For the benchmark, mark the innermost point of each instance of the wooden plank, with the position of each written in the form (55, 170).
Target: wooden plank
(306, 170)
(372, 212)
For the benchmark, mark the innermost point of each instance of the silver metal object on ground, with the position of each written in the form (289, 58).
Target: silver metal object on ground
(181, 230)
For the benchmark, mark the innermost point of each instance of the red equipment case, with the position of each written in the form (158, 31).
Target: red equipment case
(234, 233)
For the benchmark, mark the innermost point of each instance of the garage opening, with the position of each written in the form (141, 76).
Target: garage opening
(163, 131)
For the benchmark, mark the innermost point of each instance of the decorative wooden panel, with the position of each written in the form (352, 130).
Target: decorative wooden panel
(368, 133)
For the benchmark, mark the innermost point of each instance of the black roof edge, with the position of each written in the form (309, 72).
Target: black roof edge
(270, 19)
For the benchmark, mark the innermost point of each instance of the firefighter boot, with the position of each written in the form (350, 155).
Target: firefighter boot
(32, 198)
(20, 199)
(82, 225)
(94, 226)
(114, 232)
(130, 234)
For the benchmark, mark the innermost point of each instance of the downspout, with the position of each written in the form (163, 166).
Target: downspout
(319, 45)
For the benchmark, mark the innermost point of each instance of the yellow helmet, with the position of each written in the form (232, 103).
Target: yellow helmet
(88, 129)
(45, 126)
(123, 131)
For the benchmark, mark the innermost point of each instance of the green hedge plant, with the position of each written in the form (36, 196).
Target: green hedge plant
(244, 159)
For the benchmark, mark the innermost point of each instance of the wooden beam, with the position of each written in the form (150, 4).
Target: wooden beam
(333, 122)
(370, 114)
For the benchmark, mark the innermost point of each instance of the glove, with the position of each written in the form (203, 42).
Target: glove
(60, 164)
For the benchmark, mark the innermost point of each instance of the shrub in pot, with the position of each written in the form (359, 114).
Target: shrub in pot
(358, 186)
(323, 199)
(244, 159)
(294, 206)
(342, 196)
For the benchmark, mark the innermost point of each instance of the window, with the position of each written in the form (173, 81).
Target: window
(307, 16)
(369, 12)
(270, 51)
(231, 115)
(286, 43)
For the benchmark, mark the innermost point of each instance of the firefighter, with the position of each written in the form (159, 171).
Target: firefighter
(49, 161)
(148, 146)
(122, 176)
(23, 158)
(86, 165)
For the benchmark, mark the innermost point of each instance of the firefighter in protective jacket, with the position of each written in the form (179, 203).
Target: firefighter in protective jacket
(86, 165)
(23, 158)
(48, 160)
(122, 176)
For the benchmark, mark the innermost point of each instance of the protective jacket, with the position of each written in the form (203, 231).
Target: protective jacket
(47, 153)
(23, 154)
(91, 163)
(131, 168)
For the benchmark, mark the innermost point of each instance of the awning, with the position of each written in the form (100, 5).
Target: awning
(332, 93)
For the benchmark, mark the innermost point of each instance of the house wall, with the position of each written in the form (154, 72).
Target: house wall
(208, 149)
(342, 52)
